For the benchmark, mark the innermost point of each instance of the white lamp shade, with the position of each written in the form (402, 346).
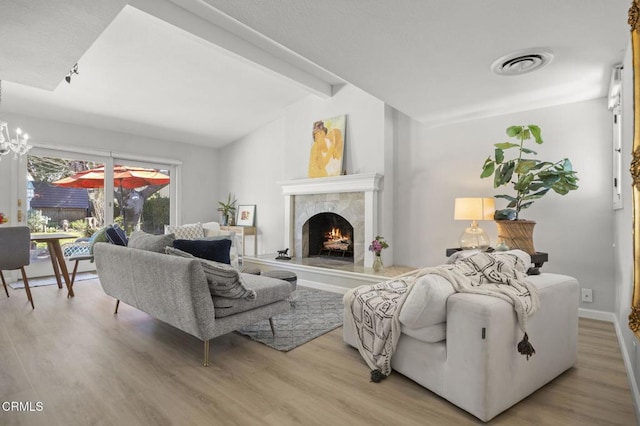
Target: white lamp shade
(474, 208)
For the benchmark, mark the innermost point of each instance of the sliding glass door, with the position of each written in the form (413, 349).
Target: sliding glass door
(65, 190)
(77, 192)
(63, 194)
(144, 195)
(59, 192)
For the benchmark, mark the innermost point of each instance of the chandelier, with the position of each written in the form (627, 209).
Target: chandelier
(17, 145)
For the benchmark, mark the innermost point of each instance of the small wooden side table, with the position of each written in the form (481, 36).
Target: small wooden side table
(244, 231)
(537, 258)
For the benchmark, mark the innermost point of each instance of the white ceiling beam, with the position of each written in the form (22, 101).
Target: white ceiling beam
(206, 22)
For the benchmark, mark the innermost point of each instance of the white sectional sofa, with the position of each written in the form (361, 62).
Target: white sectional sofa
(463, 346)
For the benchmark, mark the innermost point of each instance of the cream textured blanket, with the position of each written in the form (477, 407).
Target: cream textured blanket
(374, 310)
(501, 275)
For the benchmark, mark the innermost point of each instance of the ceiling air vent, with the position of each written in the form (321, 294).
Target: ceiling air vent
(522, 62)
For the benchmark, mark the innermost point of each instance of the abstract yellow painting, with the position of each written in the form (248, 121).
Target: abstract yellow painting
(328, 147)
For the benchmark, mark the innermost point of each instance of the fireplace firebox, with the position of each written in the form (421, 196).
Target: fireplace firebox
(329, 234)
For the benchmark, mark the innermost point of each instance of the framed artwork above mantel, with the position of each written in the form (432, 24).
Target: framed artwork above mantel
(327, 149)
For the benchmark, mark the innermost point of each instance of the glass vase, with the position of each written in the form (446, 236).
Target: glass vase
(377, 263)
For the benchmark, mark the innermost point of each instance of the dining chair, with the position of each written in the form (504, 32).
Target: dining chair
(15, 243)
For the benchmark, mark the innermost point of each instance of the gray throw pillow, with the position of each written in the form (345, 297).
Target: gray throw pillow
(224, 280)
(144, 241)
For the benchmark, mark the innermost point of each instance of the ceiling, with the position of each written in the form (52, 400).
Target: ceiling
(211, 71)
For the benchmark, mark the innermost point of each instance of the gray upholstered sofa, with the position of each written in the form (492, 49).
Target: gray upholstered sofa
(175, 290)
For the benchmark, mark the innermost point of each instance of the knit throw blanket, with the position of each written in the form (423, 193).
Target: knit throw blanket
(374, 310)
(501, 275)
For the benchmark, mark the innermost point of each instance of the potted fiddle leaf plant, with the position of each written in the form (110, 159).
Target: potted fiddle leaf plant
(530, 179)
(227, 210)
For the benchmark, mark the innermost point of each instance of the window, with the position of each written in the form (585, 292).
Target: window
(144, 196)
(57, 202)
(616, 139)
(143, 193)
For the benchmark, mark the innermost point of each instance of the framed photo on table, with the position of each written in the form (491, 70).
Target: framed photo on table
(246, 215)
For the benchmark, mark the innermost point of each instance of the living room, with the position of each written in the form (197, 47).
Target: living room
(425, 166)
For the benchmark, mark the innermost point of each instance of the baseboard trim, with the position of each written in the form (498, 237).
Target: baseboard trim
(597, 315)
(635, 392)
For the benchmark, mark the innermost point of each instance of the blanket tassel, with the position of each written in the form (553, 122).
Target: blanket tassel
(377, 375)
(525, 348)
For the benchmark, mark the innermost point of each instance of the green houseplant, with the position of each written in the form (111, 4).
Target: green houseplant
(228, 209)
(530, 178)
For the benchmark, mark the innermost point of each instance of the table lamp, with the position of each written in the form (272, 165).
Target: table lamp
(474, 209)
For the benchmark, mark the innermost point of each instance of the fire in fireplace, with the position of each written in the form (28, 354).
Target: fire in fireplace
(330, 235)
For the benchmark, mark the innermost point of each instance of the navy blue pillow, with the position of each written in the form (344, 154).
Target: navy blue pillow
(216, 250)
(116, 235)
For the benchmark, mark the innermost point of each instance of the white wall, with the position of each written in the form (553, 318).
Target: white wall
(250, 169)
(8, 169)
(199, 172)
(623, 233)
(252, 166)
(410, 215)
(429, 167)
(364, 139)
(436, 165)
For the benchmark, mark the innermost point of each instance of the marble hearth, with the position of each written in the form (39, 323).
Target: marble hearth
(328, 274)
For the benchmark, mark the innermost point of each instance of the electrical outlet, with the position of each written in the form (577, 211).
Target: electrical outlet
(587, 295)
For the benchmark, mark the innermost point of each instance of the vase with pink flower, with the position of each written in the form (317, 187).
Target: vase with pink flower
(376, 248)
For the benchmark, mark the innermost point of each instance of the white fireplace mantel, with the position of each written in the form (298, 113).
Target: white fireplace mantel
(367, 183)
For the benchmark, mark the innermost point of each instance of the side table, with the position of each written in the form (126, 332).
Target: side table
(244, 231)
(537, 258)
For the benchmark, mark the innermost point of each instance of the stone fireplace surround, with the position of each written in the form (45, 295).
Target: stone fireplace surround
(349, 205)
(354, 197)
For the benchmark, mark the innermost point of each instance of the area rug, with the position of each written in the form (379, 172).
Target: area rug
(313, 313)
(39, 282)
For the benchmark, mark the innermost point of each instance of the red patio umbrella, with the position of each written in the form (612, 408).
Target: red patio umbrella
(123, 177)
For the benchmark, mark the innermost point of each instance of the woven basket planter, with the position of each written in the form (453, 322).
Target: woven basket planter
(517, 234)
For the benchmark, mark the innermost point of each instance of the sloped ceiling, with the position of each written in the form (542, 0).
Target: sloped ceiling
(145, 76)
(210, 71)
(431, 59)
(41, 40)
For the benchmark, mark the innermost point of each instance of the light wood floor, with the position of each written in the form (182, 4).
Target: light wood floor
(88, 366)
